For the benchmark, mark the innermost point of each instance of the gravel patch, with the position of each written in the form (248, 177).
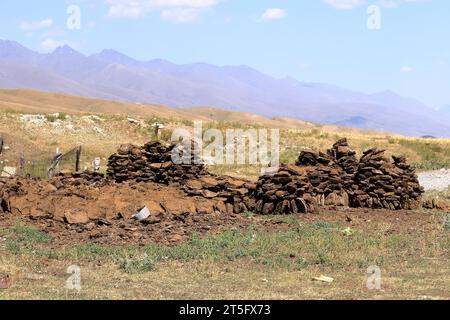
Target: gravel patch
(438, 180)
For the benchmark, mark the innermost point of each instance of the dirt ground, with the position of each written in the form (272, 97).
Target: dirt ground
(276, 259)
(77, 212)
(169, 228)
(191, 249)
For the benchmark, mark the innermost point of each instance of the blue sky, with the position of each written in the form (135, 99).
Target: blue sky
(310, 40)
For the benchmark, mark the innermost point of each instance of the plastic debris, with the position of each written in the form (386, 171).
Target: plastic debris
(324, 279)
(142, 214)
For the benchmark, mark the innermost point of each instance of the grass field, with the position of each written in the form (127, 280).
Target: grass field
(102, 138)
(245, 264)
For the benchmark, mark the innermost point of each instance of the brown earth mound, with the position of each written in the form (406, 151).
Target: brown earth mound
(79, 178)
(82, 202)
(73, 209)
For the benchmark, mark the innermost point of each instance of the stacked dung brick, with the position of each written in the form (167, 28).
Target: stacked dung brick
(282, 192)
(152, 162)
(338, 178)
(4, 207)
(343, 156)
(232, 192)
(315, 180)
(380, 183)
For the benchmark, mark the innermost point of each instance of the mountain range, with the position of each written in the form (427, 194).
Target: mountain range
(113, 75)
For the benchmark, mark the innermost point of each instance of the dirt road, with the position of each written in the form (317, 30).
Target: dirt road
(438, 180)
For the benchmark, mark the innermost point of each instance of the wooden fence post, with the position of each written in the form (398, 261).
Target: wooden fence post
(33, 173)
(77, 161)
(22, 165)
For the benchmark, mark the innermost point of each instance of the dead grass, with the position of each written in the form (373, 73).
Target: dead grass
(205, 280)
(102, 134)
(102, 138)
(238, 265)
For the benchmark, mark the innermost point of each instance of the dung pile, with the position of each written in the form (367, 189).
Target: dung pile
(311, 158)
(232, 192)
(339, 155)
(380, 183)
(4, 207)
(343, 156)
(338, 178)
(300, 189)
(152, 162)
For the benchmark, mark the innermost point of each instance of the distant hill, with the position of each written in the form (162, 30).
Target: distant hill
(112, 75)
(355, 122)
(30, 101)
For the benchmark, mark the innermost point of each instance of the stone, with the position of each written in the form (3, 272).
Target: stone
(79, 217)
(179, 207)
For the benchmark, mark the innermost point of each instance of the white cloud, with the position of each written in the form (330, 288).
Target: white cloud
(181, 15)
(350, 4)
(120, 10)
(344, 4)
(179, 11)
(406, 69)
(398, 3)
(36, 25)
(50, 44)
(273, 14)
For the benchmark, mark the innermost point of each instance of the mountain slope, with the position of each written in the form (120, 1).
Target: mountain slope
(112, 75)
(31, 101)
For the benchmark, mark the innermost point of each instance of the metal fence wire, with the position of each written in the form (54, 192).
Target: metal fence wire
(45, 165)
(65, 162)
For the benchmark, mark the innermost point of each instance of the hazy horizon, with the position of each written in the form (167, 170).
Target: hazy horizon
(313, 41)
(386, 90)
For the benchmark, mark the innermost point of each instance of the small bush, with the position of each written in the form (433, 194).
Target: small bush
(447, 222)
(133, 265)
(390, 140)
(56, 116)
(51, 117)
